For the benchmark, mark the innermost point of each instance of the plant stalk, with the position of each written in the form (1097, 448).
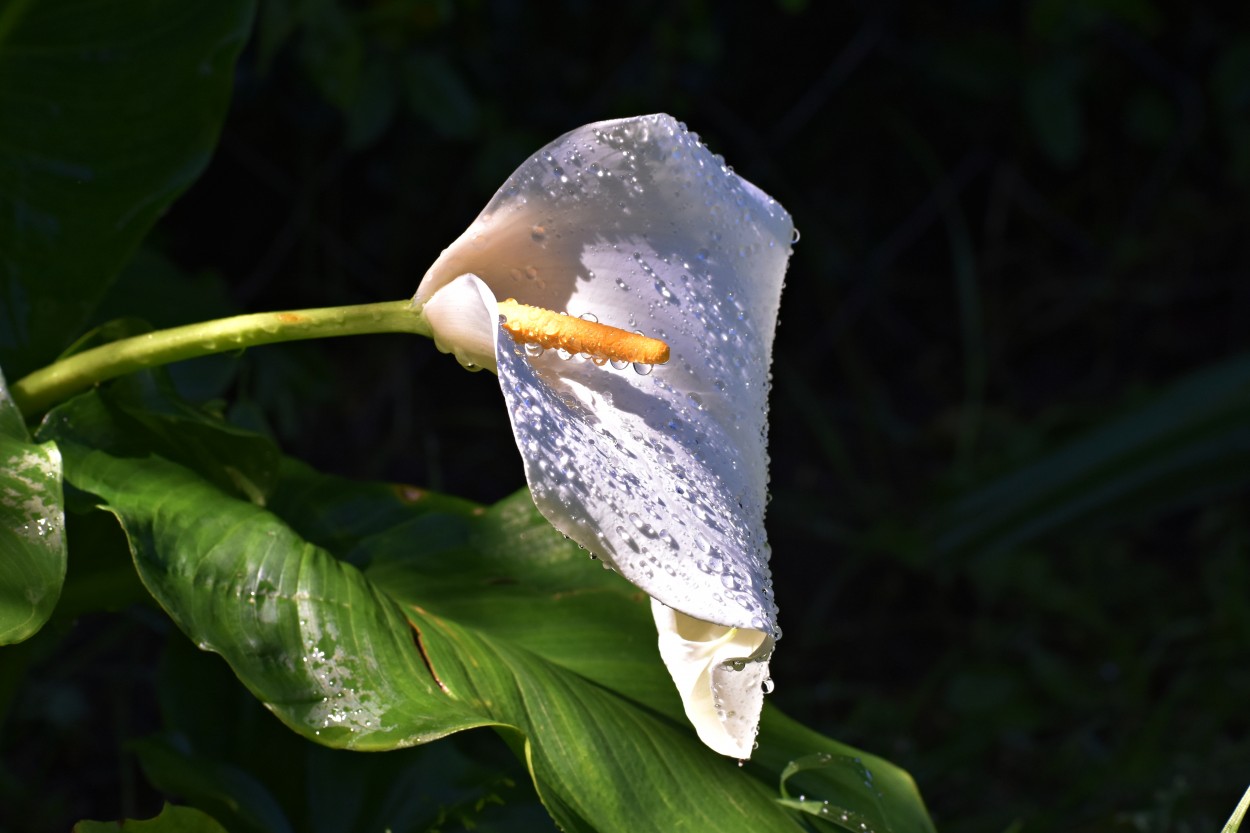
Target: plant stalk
(47, 386)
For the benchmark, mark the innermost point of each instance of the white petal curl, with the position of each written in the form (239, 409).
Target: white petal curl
(663, 476)
(721, 674)
(462, 317)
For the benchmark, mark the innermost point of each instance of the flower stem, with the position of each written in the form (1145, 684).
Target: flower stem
(45, 387)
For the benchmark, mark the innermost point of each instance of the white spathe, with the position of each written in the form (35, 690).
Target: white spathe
(662, 474)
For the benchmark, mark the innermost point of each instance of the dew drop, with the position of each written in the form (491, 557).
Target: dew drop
(538, 234)
(768, 686)
(534, 350)
(795, 237)
(642, 369)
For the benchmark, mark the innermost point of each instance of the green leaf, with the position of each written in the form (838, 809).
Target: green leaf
(305, 632)
(462, 617)
(172, 819)
(212, 719)
(231, 794)
(141, 414)
(109, 111)
(32, 527)
(837, 783)
(492, 569)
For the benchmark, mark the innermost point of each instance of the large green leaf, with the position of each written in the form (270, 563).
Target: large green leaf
(32, 527)
(108, 111)
(462, 617)
(218, 736)
(492, 570)
(305, 632)
(333, 657)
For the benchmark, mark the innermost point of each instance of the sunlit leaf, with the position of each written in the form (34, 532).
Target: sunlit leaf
(462, 617)
(217, 734)
(32, 527)
(305, 632)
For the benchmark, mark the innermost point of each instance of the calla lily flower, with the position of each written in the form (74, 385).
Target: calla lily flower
(641, 413)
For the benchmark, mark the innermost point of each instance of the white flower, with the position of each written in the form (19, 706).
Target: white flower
(660, 472)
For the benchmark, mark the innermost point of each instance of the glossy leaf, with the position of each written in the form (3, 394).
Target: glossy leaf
(331, 655)
(32, 527)
(305, 632)
(214, 727)
(462, 617)
(850, 789)
(110, 110)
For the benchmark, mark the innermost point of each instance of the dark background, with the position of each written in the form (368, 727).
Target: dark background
(1021, 223)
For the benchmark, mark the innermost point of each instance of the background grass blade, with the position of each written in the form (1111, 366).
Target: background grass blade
(1195, 434)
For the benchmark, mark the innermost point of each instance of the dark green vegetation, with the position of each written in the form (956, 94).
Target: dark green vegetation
(1011, 413)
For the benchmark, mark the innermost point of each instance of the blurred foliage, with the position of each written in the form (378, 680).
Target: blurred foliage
(1022, 272)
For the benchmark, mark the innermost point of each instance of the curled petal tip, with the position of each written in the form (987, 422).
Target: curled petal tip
(721, 674)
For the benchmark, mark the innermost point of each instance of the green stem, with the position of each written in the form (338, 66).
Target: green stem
(45, 387)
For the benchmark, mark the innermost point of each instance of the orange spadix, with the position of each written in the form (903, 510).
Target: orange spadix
(554, 330)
